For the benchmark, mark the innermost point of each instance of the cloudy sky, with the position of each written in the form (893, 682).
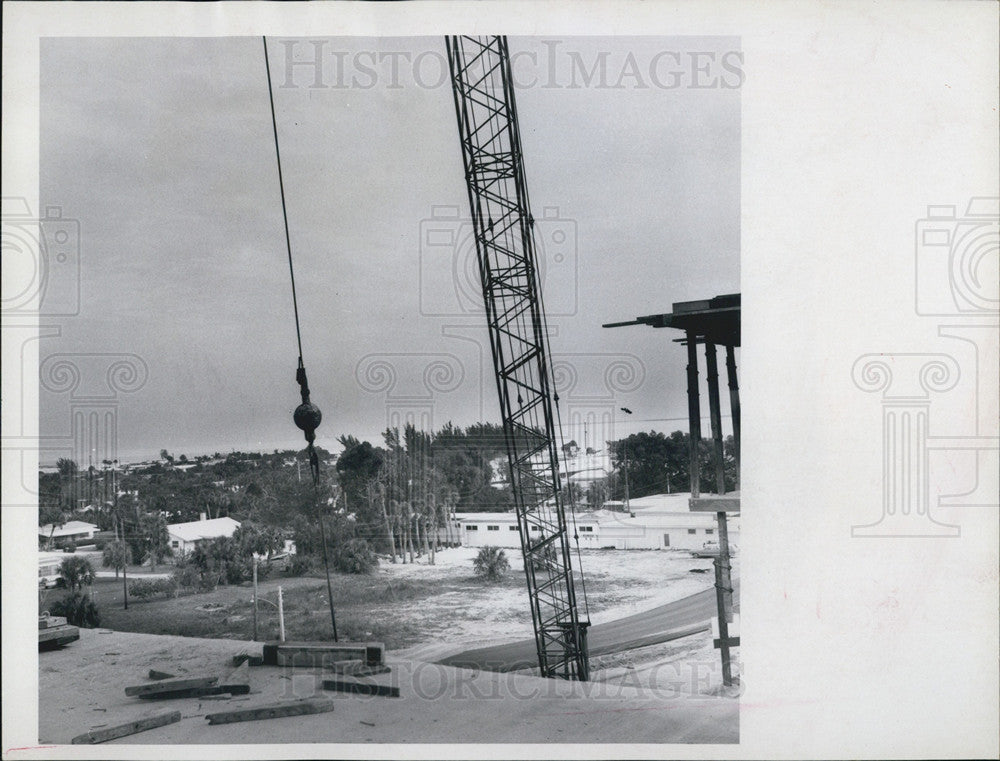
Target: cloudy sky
(163, 150)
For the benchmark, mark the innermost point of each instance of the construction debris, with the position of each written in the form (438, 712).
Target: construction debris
(274, 711)
(200, 692)
(356, 668)
(46, 621)
(322, 654)
(361, 688)
(154, 674)
(124, 730)
(53, 632)
(173, 685)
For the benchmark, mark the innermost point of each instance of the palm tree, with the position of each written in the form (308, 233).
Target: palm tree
(77, 572)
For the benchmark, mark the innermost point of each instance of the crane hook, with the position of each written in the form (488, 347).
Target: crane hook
(307, 417)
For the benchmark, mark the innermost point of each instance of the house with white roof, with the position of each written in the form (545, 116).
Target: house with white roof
(72, 531)
(184, 536)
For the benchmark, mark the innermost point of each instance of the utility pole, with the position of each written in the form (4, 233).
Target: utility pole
(627, 411)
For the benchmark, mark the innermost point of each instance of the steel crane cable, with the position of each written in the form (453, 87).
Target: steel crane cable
(307, 416)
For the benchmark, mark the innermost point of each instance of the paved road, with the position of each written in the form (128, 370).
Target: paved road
(674, 620)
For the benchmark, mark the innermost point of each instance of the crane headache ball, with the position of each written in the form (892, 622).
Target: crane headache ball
(308, 417)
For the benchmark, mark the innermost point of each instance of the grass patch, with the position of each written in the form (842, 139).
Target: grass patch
(364, 607)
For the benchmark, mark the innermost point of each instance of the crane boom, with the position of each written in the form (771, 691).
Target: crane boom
(501, 216)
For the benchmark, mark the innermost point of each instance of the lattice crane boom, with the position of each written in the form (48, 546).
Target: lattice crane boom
(498, 197)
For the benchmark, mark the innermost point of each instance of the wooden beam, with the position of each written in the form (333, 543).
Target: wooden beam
(171, 685)
(200, 692)
(694, 414)
(57, 636)
(322, 654)
(715, 416)
(361, 688)
(124, 730)
(730, 642)
(734, 403)
(274, 711)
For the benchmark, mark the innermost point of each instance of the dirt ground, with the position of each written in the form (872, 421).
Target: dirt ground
(81, 688)
(664, 693)
(417, 608)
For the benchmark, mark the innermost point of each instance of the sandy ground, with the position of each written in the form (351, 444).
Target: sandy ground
(82, 688)
(665, 693)
(632, 581)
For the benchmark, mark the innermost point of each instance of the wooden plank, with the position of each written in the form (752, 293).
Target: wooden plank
(124, 730)
(200, 692)
(729, 503)
(154, 674)
(57, 632)
(361, 688)
(58, 636)
(171, 685)
(274, 711)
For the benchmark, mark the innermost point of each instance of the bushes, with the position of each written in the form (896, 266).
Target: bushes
(144, 589)
(186, 576)
(354, 556)
(299, 565)
(78, 609)
(491, 564)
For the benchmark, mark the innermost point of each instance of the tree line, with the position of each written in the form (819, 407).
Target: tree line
(398, 496)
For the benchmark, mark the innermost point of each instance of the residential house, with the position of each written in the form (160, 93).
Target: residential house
(72, 531)
(184, 536)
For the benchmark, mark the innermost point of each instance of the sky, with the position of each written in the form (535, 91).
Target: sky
(162, 150)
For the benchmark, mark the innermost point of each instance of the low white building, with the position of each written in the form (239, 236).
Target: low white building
(184, 536)
(660, 521)
(500, 529)
(72, 531)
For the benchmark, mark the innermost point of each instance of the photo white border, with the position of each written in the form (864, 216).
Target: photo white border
(856, 116)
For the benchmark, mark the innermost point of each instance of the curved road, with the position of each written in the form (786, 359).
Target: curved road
(676, 619)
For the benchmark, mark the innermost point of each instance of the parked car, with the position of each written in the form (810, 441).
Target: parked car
(710, 549)
(49, 575)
